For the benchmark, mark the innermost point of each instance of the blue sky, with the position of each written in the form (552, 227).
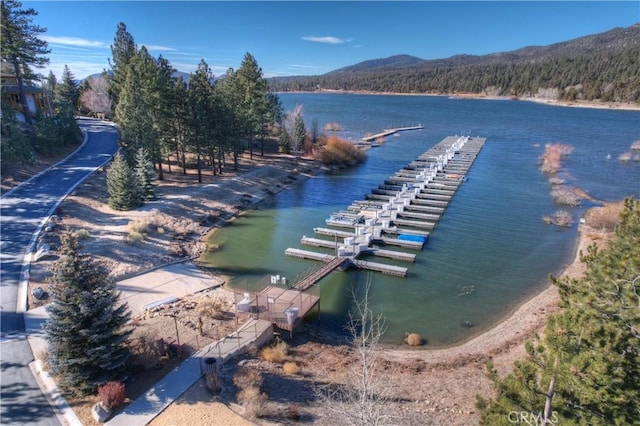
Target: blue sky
(310, 38)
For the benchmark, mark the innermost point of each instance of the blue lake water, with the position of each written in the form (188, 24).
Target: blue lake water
(489, 252)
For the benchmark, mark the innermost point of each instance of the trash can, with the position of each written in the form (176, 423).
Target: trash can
(292, 315)
(210, 364)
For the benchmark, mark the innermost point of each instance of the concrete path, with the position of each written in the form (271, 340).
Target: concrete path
(148, 406)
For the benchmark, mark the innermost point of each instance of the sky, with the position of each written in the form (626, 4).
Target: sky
(312, 38)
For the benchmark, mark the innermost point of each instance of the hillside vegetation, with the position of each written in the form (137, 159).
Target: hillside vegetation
(602, 67)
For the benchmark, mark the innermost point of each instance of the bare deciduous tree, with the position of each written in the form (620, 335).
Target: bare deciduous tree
(96, 98)
(365, 396)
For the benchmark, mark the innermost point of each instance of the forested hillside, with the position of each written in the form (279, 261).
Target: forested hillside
(602, 67)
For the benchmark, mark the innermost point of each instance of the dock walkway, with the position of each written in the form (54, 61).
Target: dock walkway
(389, 132)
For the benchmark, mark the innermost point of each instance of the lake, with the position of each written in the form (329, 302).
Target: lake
(490, 251)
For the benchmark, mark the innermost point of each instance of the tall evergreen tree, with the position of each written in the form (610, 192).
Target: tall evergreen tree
(134, 112)
(85, 329)
(21, 47)
(586, 369)
(67, 92)
(200, 101)
(180, 123)
(123, 50)
(122, 185)
(65, 105)
(163, 112)
(144, 174)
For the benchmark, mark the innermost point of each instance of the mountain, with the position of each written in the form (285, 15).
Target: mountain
(602, 67)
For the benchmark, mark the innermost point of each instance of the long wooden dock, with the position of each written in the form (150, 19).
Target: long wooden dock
(402, 211)
(389, 132)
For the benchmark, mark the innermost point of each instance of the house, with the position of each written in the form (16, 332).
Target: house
(37, 98)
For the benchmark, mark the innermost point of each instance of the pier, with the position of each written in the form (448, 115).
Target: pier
(400, 212)
(389, 132)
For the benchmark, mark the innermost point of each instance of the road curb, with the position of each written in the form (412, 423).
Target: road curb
(60, 406)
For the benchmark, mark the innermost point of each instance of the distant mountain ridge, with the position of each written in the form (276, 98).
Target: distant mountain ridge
(615, 39)
(602, 66)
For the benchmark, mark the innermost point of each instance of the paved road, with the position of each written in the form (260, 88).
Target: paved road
(21, 213)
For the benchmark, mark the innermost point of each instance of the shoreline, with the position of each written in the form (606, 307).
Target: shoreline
(259, 184)
(551, 102)
(518, 325)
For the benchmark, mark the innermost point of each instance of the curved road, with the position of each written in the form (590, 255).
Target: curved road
(22, 211)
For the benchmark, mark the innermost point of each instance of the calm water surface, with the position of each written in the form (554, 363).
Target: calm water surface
(491, 249)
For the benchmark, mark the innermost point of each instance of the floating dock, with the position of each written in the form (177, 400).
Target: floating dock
(400, 212)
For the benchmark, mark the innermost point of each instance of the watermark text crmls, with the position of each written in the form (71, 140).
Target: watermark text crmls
(531, 418)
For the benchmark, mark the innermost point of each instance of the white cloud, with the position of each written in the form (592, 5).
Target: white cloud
(325, 39)
(158, 48)
(73, 41)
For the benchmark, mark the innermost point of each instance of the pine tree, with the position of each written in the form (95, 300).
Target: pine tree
(123, 50)
(144, 174)
(67, 92)
(85, 329)
(122, 186)
(200, 101)
(586, 369)
(299, 131)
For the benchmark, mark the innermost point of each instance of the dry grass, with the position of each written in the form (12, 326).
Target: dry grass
(559, 218)
(276, 353)
(82, 234)
(565, 196)
(413, 339)
(606, 217)
(212, 307)
(291, 368)
(250, 396)
(552, 157)
(333, 127)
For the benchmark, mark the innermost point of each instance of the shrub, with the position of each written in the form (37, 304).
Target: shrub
(555, 181)
(336, 127)
(606, 217)
(565, 197)
(146, 350)
(552, 156)
(293, 412)
(413, 339)
(625, 157)
(276, 353)
(111, 394)
(291, 368)
(559, 218)
(339, 152)
(82, 234)
(211, 308)
(249, 382)
(134, 237)
(140, 226)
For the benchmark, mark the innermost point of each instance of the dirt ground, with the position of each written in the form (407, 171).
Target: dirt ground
(432, 386)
